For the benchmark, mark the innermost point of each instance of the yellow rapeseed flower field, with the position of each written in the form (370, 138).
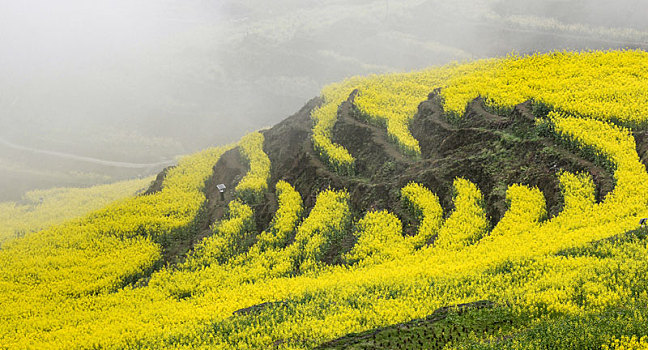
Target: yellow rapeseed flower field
(40, 209)
(575, 279)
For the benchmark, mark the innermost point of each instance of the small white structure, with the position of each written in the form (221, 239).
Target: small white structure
(221, 189)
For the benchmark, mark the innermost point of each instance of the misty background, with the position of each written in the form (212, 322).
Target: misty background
(97, 91)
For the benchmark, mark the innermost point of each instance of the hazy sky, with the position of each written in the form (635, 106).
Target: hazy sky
(67, 61)
(144, 80)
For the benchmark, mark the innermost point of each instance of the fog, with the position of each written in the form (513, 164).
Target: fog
(97, 91)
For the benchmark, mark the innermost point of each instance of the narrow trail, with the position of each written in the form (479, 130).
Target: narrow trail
(229, 170)
(92, 160)
(380, 136)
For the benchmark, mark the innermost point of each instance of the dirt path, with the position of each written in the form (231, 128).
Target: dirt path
(349, 113)
(229, 170)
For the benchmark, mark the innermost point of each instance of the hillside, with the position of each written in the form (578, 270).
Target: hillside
(489, 204)
(40, 209)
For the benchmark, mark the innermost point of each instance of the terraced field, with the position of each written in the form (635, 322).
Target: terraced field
(492, 204)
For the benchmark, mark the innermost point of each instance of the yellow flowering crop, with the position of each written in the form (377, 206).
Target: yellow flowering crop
(628, 343)
(40, 209)
(322, 229)
(467, 223)
(578, 192)
(425, 205)
(392, 100)
(98, 282)
(226, 237)
(380, 237)
(606, 85)
(527, 208)
(255, 183)
(285, 219)
(324, 118)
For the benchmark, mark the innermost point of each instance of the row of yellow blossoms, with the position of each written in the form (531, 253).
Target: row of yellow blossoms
(286, 217)
(610, 85)
(331, 301)
(324, 118)
(605, 85)
(231, 236)
(255, 183)
(627, 343)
